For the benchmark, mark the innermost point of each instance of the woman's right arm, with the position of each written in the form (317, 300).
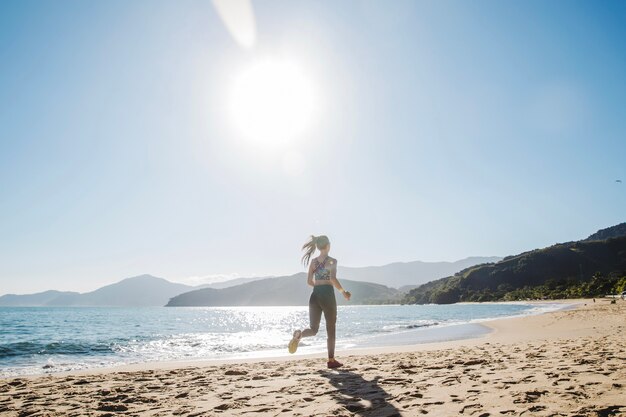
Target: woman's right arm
(309, 278)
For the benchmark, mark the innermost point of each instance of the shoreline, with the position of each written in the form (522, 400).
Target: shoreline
(457, 333)
(435, 337)
(568, 362)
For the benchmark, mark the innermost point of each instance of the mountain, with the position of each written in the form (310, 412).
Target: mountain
(230, 282)
(147, 290)
(609, 232)
(282, 291)
(140, 291)
(587, 268)
(400, 275)
(33, 300)
(407, 275)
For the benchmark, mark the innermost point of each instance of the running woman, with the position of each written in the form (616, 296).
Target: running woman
(322, 277)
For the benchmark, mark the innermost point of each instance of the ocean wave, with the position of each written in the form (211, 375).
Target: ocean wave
(201, 345)
(410, 326)
(12, 350)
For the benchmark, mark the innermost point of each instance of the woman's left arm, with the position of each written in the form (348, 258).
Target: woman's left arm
(335, 281)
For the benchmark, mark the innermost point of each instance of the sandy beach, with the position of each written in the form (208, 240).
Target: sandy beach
(565, 363)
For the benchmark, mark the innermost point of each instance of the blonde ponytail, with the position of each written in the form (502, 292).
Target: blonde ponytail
(319, 242)
(308, 248)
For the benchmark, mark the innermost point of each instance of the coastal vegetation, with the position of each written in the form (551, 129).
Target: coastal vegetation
(592, 267)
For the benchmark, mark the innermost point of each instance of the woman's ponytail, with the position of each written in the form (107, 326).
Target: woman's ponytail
(319, 242)
(309, 248)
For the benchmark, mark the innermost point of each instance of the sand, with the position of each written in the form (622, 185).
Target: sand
(566, 363)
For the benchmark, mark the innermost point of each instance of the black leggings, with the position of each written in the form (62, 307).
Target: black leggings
(323, 300)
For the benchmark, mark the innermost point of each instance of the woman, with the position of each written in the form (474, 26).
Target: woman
(322, 277)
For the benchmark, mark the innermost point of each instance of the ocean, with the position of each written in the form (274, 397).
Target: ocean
(38, 340)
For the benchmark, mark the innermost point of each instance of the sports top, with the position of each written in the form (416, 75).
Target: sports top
(321, 272)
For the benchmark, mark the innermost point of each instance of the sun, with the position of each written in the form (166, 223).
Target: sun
(272, 102)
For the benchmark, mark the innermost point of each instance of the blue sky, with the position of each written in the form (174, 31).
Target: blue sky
(444, 130)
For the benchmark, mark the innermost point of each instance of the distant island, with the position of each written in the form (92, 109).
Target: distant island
(140, 291)
(283, 291)
(590, 267)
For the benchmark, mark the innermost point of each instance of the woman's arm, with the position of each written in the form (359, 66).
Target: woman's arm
(309, 278)
(335, 281)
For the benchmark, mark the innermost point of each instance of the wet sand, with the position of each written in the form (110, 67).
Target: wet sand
(565, 363)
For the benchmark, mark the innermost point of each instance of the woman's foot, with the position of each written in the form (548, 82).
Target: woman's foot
(333, 363)
(293, 344)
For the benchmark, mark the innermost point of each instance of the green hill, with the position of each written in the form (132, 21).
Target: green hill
(609, 232)
(282, 291)
(587, 268)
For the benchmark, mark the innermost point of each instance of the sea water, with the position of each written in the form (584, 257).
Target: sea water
(35, 340)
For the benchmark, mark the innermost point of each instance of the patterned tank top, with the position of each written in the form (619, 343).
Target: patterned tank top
(322, 273)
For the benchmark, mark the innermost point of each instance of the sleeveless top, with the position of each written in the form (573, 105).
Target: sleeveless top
(321, 273)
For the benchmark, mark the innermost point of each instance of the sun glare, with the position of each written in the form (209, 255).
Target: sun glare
(272, 102)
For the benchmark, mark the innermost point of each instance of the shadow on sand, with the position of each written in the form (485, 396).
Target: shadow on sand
(360, 396)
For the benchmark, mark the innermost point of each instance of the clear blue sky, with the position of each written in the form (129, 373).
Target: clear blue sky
(445, 130)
